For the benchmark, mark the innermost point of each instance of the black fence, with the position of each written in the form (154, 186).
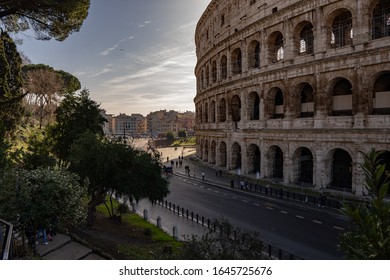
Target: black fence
(269, 250)
(6, 233)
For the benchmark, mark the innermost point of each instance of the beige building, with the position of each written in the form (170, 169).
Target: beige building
(293, 89)
(129, 126)
(163, 121)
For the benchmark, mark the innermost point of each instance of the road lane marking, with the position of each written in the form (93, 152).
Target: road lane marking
(202, 187)
(339, 228)
(283, 212)
(299, 217)
(216, 191)
(269, 208)
(317, 222)
(243, 200)
(209, 189)
(234, 197)
(256, 204)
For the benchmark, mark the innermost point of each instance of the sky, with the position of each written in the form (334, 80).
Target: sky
(134, 56)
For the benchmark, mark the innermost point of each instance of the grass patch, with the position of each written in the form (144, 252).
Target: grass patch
(143, 240)
(182, 142)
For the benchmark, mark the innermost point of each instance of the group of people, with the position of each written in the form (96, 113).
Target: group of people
(44, 234)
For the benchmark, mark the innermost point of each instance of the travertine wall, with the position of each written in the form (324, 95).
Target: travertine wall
(294, 89)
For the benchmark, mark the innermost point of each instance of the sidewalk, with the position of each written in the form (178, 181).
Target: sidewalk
(62, 247)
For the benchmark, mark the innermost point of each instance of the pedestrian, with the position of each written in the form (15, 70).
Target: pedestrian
(177, 164)
(194, 174)
(41, 232)
(220, 173)
(242, 185)
(232, 184)
(203, 176)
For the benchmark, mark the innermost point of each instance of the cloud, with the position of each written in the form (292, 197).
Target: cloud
(144, 24)
(107, 51)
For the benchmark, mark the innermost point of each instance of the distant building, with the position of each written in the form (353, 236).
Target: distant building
(125, 125)
(162, 121)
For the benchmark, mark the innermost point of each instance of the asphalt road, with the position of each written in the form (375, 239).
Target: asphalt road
(303, 231)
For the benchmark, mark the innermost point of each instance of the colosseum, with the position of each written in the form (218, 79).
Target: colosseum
(293, 90)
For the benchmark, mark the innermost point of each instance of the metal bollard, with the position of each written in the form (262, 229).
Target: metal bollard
(174, 232)
(146, 214)
(159, 222)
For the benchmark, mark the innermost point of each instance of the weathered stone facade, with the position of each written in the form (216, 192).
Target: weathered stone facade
(293, 89)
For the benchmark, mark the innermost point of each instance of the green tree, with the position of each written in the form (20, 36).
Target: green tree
(182, 134)
(75, 115)
(170, 135)
(369, 237)
(47, 18)
(38, 198)
(116, 168)
(11, 95)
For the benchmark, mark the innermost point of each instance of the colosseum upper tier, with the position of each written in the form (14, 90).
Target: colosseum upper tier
(294, 90)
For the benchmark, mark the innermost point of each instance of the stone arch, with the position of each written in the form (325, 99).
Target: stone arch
(236, 61)
(381, 98)
(341, 93)
(253, 158)
(207, 76)
(254, 54)
(222, 154)
(206, 112)
(214, 71)
(274, 103)
(235, 161)
(276, 47)
(341, 28)
(339, 169)
(254, 106)
(235, 108)
(212, 112)
(275, 161)
(303, 166)
(380, 20)
(304, 38)
(223, 67)
(206, 151)
(213, 152)
(306, 96)
(222, 110)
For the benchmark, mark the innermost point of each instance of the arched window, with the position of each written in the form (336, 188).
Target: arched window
(341, 170)
(306, 43)
(224, 67)
(381, 98)
(235, 108)
(342, 98)
(279, 105)
(254, 55)
(214, 71)
(237, 61)
(276, 47)
(207, 76)
(307, 101)
(381, 20)
(342, 32)
(212, 112)
(222, 110)
(254, 106)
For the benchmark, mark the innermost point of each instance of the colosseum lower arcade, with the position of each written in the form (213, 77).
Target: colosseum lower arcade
(294, 91)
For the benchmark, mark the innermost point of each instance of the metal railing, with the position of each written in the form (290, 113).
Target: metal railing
(269, 250)
(6, 233)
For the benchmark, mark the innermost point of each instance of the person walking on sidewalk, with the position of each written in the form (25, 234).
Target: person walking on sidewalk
(203, 176)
